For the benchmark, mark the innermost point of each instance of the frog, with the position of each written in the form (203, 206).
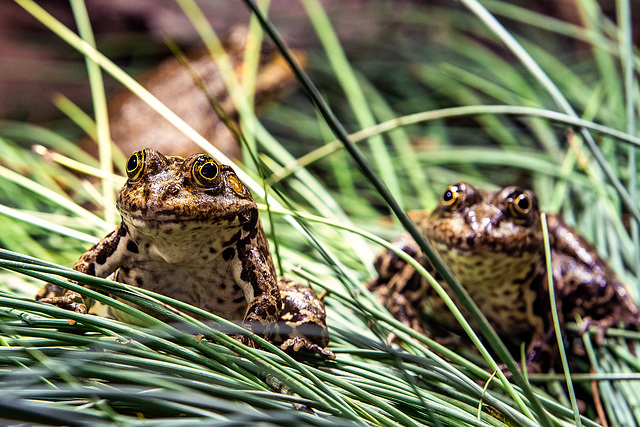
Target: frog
(190, 230)
(492, 241)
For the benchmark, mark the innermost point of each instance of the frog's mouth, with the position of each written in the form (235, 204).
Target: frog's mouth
(472, 247)
(143, 222)
(170, 223)
(154, 213)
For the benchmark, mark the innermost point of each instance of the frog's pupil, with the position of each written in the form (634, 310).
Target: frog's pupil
(523, 203)
(448, 195)
(209, 170)
(132, 164)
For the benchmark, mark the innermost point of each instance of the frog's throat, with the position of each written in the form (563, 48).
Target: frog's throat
(490, 268)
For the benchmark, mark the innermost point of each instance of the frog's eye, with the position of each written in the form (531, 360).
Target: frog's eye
(452, 196)
(520, 204)
(204, 171)
(135, 165)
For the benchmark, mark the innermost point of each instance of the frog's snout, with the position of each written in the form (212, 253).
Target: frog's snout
(482, 219)
(172, 189)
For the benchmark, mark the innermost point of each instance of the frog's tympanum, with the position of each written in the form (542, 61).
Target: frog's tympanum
(190, 230)
(493, 244)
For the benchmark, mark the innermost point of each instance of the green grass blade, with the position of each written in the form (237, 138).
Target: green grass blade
(99, 105)
(487, 331)
(556, 321)
(354, 93)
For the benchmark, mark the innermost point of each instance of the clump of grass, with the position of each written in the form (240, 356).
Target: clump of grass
(483, 104)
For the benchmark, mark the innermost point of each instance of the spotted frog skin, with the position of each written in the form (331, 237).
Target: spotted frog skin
(190, 230)
(493, 244)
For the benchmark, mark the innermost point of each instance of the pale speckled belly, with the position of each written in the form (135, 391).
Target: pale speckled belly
(500, 285)
(203, 288)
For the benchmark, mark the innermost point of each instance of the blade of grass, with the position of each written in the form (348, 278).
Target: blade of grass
(510, 42)
(626, 56)
(389, 125)
(250, 69)
(487, 331)
(605, 62)
(18, 238)
(76, 165)
(54, 197)
(556, 321)
(47, 225)
(354, 93)
(84, 122)
(402, 144)
(99, 100)
(41, 135)
(549, 23)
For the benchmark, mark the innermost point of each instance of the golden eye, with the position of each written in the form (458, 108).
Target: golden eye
(452, 196)
(204, 171)
(135, 165)
(520, 204)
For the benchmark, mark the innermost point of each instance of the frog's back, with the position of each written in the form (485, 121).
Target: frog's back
(586, 284)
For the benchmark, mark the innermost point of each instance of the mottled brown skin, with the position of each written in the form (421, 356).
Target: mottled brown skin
(190, 230)
(492, 242)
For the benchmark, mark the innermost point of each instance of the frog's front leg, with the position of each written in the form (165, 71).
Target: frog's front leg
(542, 349)
(255, 274)
(399, 287)
(100, 261)
(262, 313)
(303, 320)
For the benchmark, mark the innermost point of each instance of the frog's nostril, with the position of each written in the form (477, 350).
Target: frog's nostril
(483, 219)
(172, 189)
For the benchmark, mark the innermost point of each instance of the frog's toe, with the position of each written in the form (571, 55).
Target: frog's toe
(299, 343)
(71, 301)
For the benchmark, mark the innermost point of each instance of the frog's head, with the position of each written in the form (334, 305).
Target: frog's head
(479, 221)
(163, 194)
(487, 236)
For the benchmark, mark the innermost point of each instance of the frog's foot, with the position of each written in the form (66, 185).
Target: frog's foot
(601, 327)
(69, 301)
(299, 343)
